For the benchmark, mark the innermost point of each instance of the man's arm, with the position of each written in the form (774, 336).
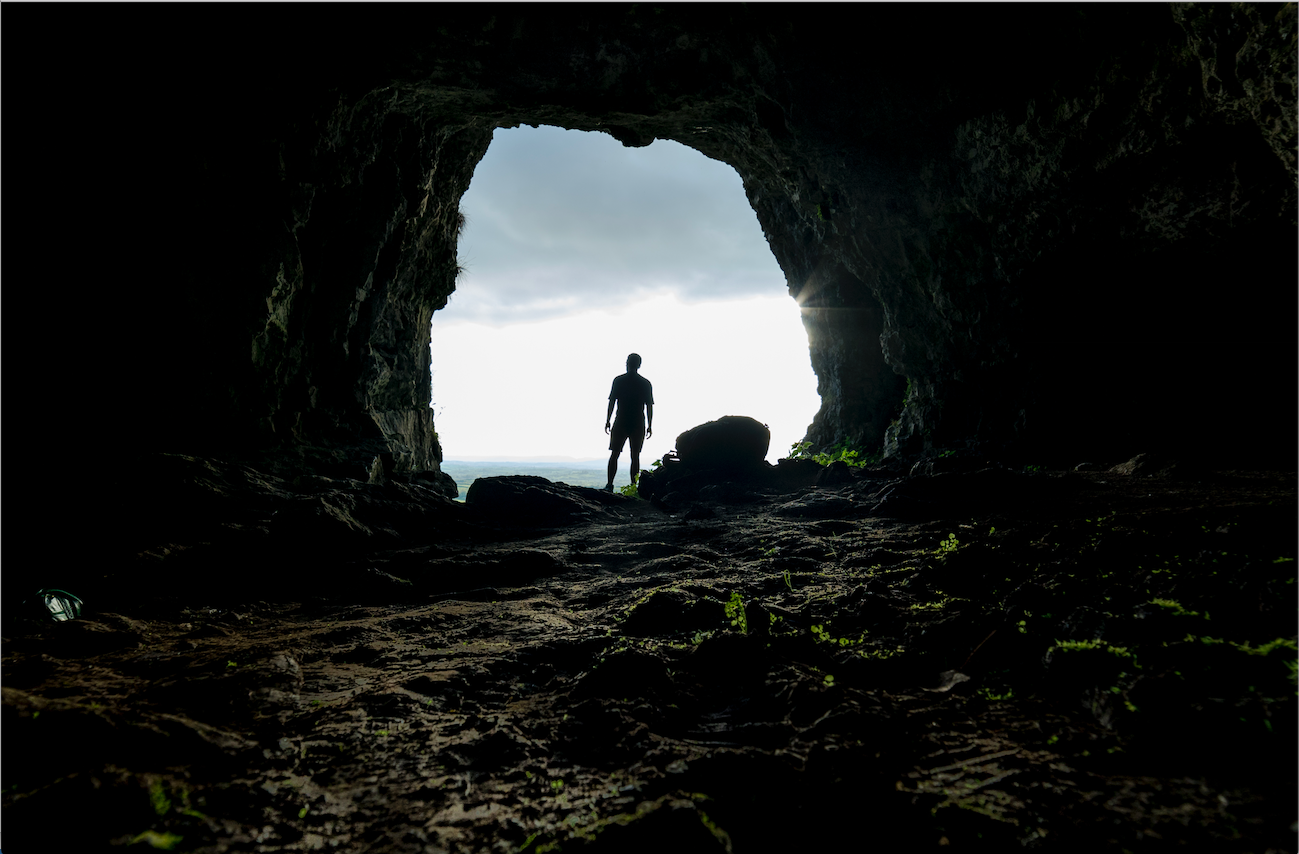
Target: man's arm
(649, 420)
(608, 415)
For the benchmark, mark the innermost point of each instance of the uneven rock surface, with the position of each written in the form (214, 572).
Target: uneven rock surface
(1045, 259)
(974, 657)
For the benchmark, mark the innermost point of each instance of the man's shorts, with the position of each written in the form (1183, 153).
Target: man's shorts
(633, 429)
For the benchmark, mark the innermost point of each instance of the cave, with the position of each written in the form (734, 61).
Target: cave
(300, 205)
(1046, 257)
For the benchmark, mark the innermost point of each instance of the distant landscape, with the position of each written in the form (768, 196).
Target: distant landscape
(573, 472)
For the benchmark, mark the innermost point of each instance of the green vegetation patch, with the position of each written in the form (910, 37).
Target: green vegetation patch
(845, 452)
(736, 614)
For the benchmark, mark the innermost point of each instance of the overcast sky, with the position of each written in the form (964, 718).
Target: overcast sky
(578, 251)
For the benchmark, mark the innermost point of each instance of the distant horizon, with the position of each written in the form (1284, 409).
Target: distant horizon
(588, 473)
(524, 459)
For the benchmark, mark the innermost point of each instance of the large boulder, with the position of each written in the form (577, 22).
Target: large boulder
(731, 442)
(530, 500)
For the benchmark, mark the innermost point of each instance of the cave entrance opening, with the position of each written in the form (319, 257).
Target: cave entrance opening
(578, 251)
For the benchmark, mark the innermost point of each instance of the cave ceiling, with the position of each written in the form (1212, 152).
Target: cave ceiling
(1017, 229)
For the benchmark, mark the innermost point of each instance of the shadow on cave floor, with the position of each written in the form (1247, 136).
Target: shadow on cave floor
(986, 659)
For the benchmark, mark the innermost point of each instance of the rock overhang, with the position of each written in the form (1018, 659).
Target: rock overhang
(979, 204)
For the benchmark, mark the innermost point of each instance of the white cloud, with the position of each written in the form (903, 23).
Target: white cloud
(563, 220)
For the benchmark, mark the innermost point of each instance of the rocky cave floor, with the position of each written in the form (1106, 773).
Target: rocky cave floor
(981, 660)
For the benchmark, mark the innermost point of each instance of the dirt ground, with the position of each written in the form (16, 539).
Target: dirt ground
(977, 660)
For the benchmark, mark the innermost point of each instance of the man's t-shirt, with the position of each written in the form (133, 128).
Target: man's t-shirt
(632, 391)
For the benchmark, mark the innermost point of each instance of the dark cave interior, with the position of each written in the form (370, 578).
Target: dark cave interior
(1033, 242)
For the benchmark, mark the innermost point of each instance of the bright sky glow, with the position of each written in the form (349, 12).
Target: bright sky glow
(580, 251)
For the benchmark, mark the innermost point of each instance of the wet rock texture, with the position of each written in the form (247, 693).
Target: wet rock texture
(1021, 227)
(974, 657)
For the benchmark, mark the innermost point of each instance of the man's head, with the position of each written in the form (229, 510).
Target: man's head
(633, 362)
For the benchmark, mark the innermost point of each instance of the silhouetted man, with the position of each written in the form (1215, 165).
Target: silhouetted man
(635, 398)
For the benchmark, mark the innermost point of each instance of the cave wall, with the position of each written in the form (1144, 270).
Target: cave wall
(1054, 228)
(344, 347)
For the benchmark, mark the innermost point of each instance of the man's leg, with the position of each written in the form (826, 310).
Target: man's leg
(637, 441)
(613, 467)
(617, 439)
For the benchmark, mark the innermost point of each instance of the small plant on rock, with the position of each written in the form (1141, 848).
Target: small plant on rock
(735, 613)
(822, 635)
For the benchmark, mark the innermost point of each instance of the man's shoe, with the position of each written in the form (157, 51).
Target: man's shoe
(608, 488)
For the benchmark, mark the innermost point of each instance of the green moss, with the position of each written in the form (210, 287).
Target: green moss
(881, 653)
(937, 604)
(720, 835)
(1175, 608)
(989, 694)
(1071, 646)
(158, 798)
(160, 841)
